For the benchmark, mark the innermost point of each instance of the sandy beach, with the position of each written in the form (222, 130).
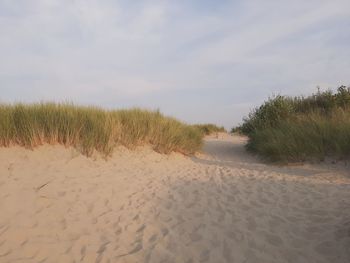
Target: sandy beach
(222, 205)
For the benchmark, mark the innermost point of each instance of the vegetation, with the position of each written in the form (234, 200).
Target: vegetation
(91, 128)
(301, 128)
(207, 129)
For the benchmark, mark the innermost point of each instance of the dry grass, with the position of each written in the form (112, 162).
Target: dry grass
(91, 128)
(207, 129)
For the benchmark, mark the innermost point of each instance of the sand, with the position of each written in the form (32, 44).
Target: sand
(139, 206)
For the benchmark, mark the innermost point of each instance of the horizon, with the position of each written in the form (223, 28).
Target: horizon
(198, 61)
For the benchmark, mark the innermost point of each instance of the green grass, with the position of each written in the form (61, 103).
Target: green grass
(311, 136)
(91, 128)
(207, 129)
(279, 108)
(297, 129)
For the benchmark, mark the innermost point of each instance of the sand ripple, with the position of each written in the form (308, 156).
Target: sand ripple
(58, 206)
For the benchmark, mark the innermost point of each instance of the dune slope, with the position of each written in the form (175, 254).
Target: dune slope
(140, 206)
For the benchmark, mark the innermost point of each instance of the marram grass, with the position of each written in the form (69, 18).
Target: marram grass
(293, 129)
(91, 128)
(311, 136)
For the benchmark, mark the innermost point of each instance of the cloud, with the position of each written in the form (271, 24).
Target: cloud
(186, 57)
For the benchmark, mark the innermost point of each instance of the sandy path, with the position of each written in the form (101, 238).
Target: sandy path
(225, 206)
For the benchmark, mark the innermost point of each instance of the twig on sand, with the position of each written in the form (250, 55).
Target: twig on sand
(41, 186)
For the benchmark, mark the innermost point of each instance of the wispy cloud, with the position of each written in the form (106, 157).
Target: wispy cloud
(197, 60)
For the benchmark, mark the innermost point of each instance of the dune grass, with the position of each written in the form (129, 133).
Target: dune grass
(301, 128)
(207, 129)
(91, 128)
(311, 136)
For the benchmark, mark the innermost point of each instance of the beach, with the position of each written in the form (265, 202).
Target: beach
(221, 205)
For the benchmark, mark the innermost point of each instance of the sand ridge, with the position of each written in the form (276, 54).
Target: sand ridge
(139, 206)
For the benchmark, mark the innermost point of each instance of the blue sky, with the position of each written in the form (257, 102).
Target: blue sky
(200, 61)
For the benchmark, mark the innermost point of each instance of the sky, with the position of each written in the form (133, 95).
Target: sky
(200, 61)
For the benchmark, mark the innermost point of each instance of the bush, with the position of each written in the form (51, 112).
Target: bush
(268, 115)
(301, 128)
(278, 108)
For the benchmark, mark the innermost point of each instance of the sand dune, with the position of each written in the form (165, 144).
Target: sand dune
(139, 206)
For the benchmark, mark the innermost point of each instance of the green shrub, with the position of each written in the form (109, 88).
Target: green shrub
(278, 108)
(311, 136)
(301, 128)
(268, 115)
